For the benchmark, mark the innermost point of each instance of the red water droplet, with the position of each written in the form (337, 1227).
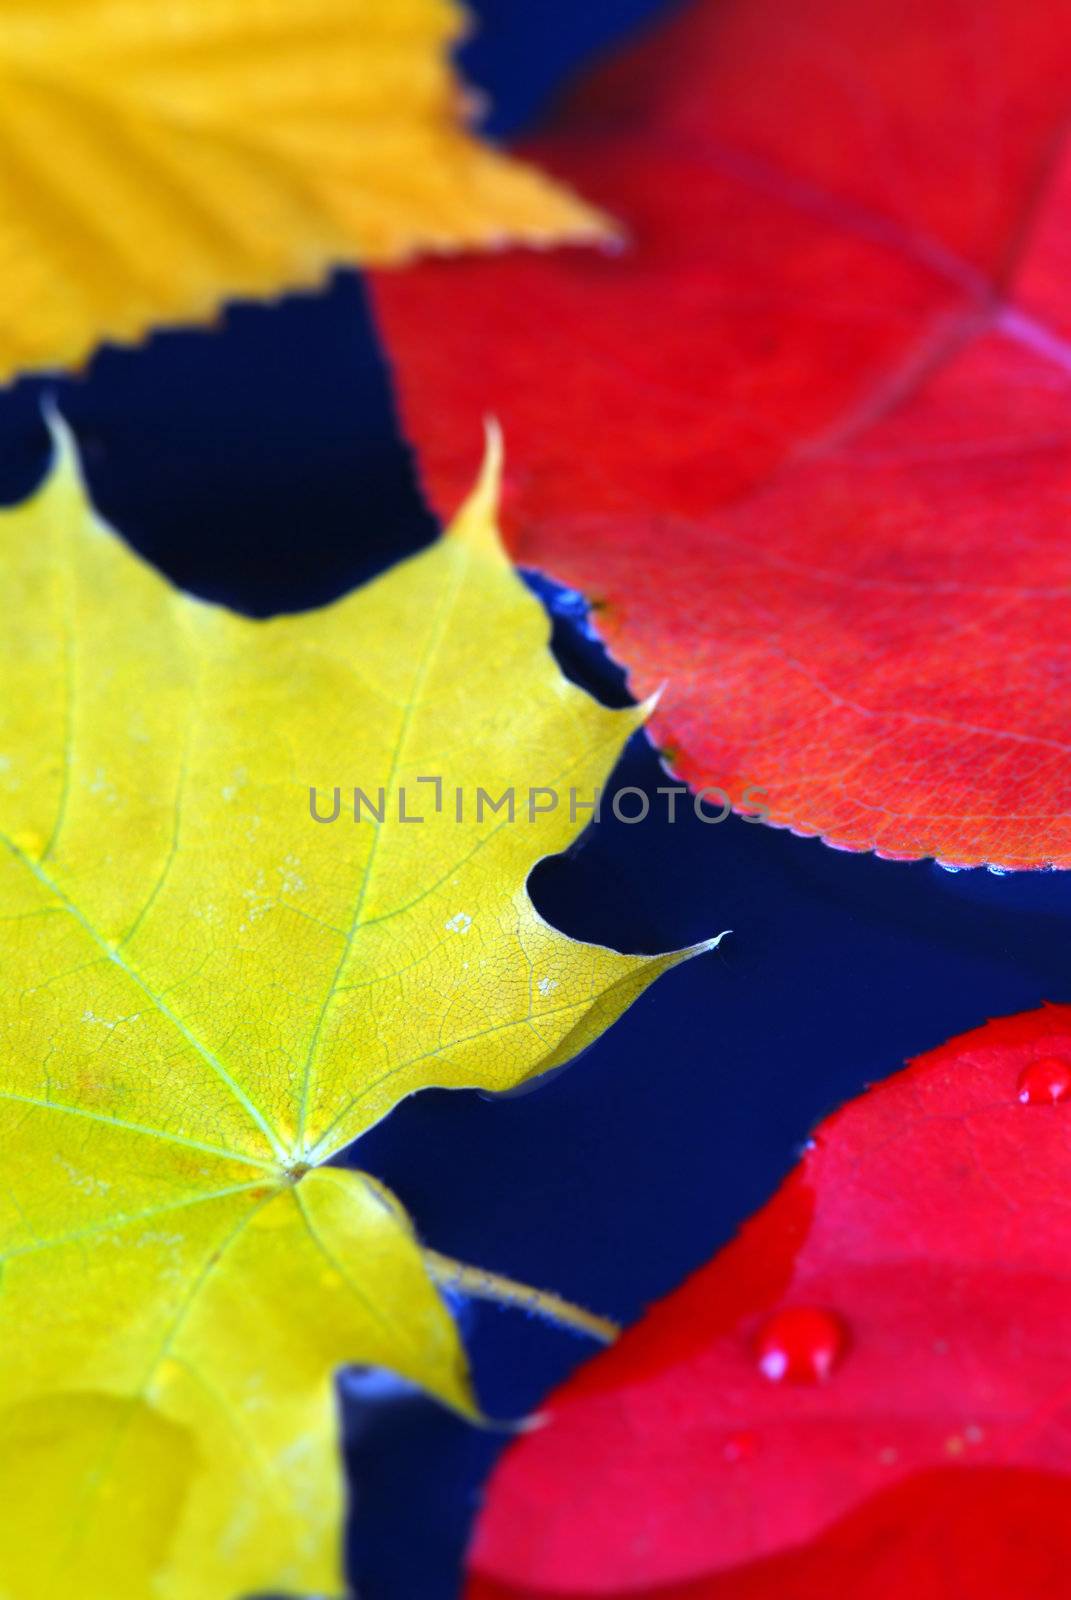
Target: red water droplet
(1045, 1082)
(739, 1446)
(801, 1344)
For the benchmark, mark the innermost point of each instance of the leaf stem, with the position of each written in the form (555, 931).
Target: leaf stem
(484, 1285)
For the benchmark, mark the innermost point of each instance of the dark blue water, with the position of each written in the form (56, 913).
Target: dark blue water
(262, 466)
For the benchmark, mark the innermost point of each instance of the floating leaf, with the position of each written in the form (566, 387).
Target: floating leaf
(158, 158)
(807, 439)
(864, 1394)
(207, 995)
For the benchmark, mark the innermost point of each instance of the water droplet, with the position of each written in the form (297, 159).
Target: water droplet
(739, 1446)
(1044, 1082)
(801, 1344)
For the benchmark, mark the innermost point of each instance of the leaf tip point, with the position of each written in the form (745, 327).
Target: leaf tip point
(65, 460)
(688, 952)
(532, 1423)
(476, 523)
(649, 706)
(493, 457)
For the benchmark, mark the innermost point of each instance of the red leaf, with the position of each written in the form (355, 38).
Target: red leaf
(808, 438)
(930, 1225)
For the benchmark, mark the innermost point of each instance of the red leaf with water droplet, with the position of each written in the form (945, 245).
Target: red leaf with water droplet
(925, 1240)
(808, 436)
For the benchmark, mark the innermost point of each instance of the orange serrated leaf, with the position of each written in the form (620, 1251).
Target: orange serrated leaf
(161, 158)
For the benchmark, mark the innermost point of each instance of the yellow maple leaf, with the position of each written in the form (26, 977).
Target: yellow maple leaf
(207, 994)
(159, 157)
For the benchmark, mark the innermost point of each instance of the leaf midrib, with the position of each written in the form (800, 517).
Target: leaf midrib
(443, 613)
